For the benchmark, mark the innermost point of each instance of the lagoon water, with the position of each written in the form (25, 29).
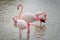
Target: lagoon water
(8, 10)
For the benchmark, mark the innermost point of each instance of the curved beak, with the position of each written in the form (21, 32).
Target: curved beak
(17, 8)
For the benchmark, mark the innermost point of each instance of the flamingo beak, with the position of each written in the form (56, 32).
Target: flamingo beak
(43, 21)
(14, 19)
(18, 8)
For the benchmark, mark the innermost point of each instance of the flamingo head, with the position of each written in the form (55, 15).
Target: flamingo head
(41, 16)
(19, 6)
(43, 13)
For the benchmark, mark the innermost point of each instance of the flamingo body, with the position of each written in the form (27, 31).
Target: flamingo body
(21, 24)
(29, 17)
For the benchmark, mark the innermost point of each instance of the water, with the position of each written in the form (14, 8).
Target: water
(8, 9)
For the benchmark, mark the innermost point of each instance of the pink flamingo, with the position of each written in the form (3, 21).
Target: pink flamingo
(21, 24)
(23, 21)
(41, 16)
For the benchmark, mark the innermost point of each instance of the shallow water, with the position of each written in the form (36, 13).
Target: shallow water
(8, 9)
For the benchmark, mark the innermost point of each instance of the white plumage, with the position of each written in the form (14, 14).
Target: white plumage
(41, 17)
(21, 24)
(30, 17)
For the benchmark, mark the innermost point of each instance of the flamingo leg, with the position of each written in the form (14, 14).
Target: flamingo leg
(28, 32)
(20, 34)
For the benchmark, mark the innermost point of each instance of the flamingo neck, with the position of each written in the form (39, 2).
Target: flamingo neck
(20, 12)
(37, 16)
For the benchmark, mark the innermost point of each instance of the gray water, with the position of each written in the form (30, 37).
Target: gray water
(8, 10)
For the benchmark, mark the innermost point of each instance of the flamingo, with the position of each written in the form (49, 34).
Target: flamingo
(21, 24)
(23, 21)
(41, 15)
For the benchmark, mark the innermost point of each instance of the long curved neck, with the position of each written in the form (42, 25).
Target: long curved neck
(20, 12)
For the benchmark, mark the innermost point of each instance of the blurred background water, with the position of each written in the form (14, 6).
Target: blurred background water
(8, 9)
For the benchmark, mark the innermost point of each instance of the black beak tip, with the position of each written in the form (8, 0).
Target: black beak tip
(43, 21)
